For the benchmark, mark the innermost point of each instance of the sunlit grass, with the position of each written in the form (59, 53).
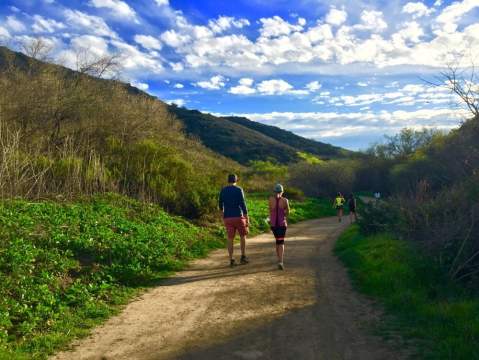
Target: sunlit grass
(441, 316)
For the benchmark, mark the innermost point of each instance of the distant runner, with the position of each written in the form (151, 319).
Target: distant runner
(338, 204)
(278, 211)
(235, 216)
(352, 208)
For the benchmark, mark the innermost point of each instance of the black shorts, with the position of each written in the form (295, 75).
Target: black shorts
(340, 207)
(279, 233)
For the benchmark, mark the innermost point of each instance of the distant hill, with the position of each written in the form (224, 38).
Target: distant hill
(287, 137)
(244, 140)
(236, 138)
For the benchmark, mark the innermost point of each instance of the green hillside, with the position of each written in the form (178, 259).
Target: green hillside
(287, 137)
(244, 140)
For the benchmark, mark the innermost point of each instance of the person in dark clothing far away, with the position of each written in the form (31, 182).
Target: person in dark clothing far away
(235, 216)
(278, 212)
(352, 208)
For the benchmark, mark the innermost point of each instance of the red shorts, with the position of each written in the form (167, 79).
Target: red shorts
(235, 223)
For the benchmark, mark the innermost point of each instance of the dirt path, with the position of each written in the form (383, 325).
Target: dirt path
(211, 311)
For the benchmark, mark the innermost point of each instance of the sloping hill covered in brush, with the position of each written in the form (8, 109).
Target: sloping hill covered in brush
(244, 140)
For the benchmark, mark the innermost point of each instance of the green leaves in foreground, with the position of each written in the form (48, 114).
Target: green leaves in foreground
(426, 307)
(65, 267)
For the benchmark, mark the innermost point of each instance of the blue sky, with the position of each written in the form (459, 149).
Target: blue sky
(337, 71)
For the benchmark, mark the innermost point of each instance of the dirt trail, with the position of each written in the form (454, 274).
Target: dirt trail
(212, 311)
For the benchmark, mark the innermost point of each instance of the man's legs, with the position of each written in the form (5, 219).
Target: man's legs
(231, 246)
(243, 245)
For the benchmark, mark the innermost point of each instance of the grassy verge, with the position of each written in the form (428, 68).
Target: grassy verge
(441, 316)
(310, 208)
(66, 267)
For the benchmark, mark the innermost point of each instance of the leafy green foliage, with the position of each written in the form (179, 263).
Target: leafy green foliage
(65, 266)
(424, 304)
(59, 260)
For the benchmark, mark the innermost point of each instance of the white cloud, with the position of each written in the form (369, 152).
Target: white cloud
(417, 9)
(362, 84)
(224, 23)
(136, 62)
(43, 25)
(177, 67)
(313, 86)
(328, 125)
(215, 83)
(88, 23)
(372, 20)
(4, 33)
(140, 85)
(278, 87)
(244, 87)
(14, 24)
(148, 42)
(276, 26)
(179, 86)
(179, 102)
(162, 2)
(450, 15)
(336, 16)
(174, 39)
(119, 8)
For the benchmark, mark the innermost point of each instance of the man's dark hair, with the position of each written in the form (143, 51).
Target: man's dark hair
(232, 178)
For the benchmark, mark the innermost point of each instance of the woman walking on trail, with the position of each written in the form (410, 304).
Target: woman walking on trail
(339, 205)
(352, 208)
(278, 211)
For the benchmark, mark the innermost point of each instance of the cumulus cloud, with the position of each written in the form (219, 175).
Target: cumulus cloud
(140, 85)
(361, 125)
(408, 95)
(214, 83)
(224, 23)
(244, 87)
(118, 8)
(372, 20)
(313, 86)
(179, 86)
(278, 87)
(88, 23)
(449, 17)
(276, 26)
(15, 25)
(336, 16)
(43, 25)
(178, 102)
(148, 42)
(4, 33)
(162, 2)
(417, 9)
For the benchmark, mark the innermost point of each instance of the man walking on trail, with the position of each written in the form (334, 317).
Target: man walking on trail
(235, 215)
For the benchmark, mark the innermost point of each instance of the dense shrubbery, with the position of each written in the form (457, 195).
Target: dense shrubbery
(324, 178)
(436, 200)
(65, 133)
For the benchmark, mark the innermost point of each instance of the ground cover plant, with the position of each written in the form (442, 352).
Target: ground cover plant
(438, 315)
(65, 267)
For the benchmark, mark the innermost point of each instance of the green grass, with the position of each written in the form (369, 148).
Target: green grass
(310, 208)
(66, 267)
(440, 317)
